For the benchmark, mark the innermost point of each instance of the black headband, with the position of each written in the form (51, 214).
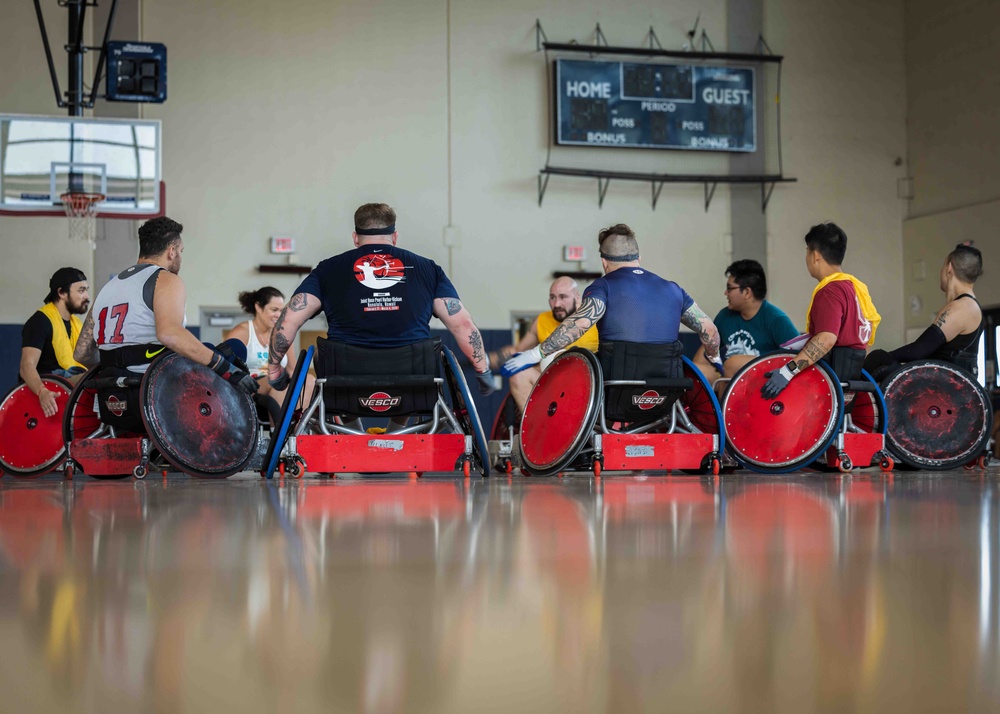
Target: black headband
(387, 231)
(620, 258)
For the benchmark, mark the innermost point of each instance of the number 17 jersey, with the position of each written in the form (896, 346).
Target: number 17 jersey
(123, 310)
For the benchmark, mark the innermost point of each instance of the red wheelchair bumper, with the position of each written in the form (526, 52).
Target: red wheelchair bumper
(374, 453)
(862, 449)
(633, 452)
(107, 457)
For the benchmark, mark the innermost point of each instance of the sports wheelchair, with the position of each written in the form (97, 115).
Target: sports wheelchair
(818, 417)
(31, 444)
(353, 383)
(654, 411)
(178, 415)
(939, 417)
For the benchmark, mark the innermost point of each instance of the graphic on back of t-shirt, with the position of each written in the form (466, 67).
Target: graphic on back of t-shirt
(864, 326)
(379, 272)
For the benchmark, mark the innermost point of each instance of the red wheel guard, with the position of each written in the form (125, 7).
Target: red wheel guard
(30, 442)
(373, 453)
(634, 452)
(861, 448)
(107, 457)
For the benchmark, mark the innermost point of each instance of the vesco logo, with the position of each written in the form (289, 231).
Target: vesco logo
(116, 406)
(379, 401)
(648, 399)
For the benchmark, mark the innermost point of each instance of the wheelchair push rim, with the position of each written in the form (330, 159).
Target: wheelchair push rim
(197, 420)
(465, 411)
(701, 405)
(561, 412)
(288, 412)
(31, 444)
(786, 433)
(939, 417)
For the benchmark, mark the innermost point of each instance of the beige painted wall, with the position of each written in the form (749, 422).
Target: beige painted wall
(282, 121)
(843, 121)
(953, 100)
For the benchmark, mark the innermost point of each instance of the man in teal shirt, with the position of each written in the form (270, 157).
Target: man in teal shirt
(749, 326)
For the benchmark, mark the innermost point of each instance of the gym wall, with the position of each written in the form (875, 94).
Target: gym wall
(281, 119)
(953, 108)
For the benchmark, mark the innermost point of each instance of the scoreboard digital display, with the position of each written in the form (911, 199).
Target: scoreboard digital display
(655, 106)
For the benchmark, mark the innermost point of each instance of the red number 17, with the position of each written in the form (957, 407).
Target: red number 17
(118, 313)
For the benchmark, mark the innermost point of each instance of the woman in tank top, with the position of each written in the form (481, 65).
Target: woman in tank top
(264, 306)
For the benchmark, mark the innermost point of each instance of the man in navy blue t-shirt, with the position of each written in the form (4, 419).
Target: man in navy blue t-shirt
(628, 304)
(378, 295)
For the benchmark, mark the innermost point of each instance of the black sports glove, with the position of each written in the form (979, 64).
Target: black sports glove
(227, 352)
(281, 383)
(236, 377)
(776, 382)
(485, 380)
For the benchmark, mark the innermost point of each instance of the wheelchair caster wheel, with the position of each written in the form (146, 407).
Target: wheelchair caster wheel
(597, 466)
(140, 471)
(984, 461)
(507, 466)
(886, 463)
(844, 463)
(715, 467)
(466, 469)
(68, 470)
(281, 469)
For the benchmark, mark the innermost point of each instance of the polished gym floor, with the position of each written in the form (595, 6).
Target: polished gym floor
(740, 593)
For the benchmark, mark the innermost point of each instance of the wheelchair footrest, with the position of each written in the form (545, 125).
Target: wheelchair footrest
(348, 453)
(631, 452)
(107, 457)
(863, 449)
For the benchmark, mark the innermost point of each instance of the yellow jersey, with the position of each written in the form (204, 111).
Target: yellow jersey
(547, 324)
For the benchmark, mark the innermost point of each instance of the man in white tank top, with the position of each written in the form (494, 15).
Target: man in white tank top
(140, 312)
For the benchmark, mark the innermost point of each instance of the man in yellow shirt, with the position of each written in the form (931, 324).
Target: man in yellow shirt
(49, 336)
(564, 299)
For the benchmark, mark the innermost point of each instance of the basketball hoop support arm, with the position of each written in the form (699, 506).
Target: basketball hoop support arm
(76, 49)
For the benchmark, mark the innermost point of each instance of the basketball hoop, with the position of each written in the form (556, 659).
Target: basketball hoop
(81, 210)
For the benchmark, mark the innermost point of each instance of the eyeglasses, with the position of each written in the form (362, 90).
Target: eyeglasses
(730, 288)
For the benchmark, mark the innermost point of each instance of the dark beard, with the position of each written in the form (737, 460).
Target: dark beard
(80, 309)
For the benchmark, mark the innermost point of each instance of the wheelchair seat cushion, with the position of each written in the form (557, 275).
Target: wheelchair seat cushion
(379, 382)
(659, 366)
(118, 397)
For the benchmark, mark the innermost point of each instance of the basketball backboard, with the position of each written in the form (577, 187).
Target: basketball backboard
(43, 157)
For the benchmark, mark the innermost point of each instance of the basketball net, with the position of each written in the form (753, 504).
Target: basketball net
(81, 210)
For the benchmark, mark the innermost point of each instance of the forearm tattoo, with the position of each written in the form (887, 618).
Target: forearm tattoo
(86, 351)
(813, 352)
(695, 319)
(279, 342)
(476, 342)
(573, 327)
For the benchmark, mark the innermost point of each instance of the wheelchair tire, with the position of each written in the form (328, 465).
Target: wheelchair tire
(701, 405)
(31, 444)
(939, 417)
(198, 421)
(465, 411)
(289, 409)
(787, 433)
(561, 412)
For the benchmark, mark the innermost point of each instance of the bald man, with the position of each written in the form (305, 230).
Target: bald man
(564, 299)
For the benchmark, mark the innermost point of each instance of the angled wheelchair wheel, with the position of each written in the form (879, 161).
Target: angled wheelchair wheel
(465, 411)
(289, 412)
(31, 443)
(939, 417)
(81, 419)
(868, 412)
(504, 419)
(701, 405)
(561, 412)
(198, 421)
(786, 433)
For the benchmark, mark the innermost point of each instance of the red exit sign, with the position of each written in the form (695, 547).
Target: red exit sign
(574, 253)
(282, 245)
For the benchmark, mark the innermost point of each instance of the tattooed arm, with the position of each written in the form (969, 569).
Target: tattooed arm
(695, 319)
(573, 327)
(815, 349)
(300, 308)
(459, 323)
(86, 352)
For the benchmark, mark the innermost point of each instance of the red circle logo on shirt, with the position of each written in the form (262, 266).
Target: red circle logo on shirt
(378, 271)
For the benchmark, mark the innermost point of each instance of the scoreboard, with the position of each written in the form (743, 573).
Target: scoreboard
(655, 105)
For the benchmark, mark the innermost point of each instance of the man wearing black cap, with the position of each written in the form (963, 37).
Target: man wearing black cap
(49, 336)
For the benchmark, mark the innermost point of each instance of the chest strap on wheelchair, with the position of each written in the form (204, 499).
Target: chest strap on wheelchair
(131, 355)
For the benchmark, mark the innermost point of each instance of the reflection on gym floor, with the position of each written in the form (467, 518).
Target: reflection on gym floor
(758, 594)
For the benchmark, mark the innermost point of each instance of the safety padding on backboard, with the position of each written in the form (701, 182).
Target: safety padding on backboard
(633, 452)
(381, 452)
(107, 457)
